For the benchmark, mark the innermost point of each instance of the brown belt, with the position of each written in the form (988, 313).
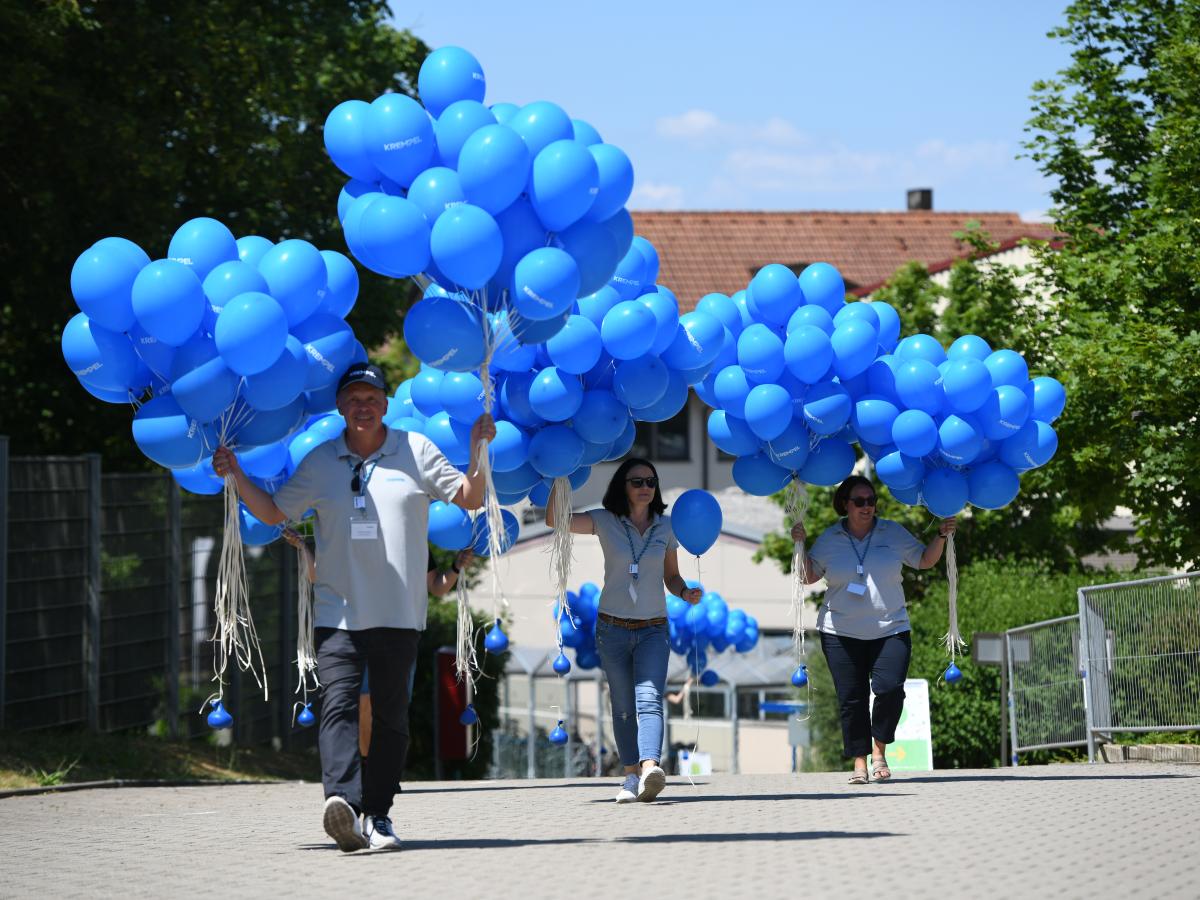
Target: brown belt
(632, 624)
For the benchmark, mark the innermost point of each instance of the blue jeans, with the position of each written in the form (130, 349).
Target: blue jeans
(635, 663)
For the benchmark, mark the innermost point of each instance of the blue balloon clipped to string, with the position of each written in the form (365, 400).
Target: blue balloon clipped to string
(306, 717)
(559, 734)
(561, 664)
(800, 676)
(469, 716)
(496, 640)
(219, 717)
(952, 674)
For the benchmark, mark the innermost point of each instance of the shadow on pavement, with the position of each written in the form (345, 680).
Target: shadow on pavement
(671, 799)
(946, 779)
(536, 786)
(510, 843)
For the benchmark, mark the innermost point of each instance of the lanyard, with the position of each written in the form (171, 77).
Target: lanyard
(635, 554)
(363, 473)
(862, 557)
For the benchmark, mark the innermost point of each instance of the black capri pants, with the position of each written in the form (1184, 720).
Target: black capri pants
(860, 667)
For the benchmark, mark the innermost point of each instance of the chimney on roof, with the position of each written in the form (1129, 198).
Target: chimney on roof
(920, 198)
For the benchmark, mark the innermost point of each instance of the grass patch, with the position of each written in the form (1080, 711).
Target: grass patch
(45, 759)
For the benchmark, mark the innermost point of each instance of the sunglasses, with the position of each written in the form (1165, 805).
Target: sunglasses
(860, 502)
(356, 481)
(650, 482)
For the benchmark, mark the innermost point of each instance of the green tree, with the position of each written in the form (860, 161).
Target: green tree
(128, 117)
(1119, 133)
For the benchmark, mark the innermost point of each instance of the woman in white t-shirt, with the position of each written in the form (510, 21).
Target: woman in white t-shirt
(640, 559)
(863, 620)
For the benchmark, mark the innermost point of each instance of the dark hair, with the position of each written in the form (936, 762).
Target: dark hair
(841, 497)
(616, 501)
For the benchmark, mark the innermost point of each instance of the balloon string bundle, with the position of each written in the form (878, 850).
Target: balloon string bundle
(466, 664)
(560, 546)
(688, 713)
(796, 508)
(953, 639)
(306, 654)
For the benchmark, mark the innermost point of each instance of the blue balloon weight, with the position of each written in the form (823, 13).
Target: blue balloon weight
(641, 382)
(461, 395)
(757, 475)
(667, 406)
(952, 674)
(100, 358)
(399, 137)
(201, 382)
(202, 244)
(731, 434)
(251, 332)
(575, 349)
(102, 282)
(466, 245)
(873, 418)
(452, 438)
(555, 395)
(496, 641)
(296, 275)
(455, 124)
(760, 354)
(449, 75)
(969, 346)
(628, 330)
(547, 283)
(827, 408)
(615, 173)
(1032, 446)
(823, 286)
(919, 385)
(828, 463)
(959, 441)
(229, 279)
(768, 410)
(445, 333)
(601, 417)
(967, 384)
(900, 471)
(854, 346)
(170, 437)
(509, 449)
(1007, 367)
(555, 451)
(944, 492)
(696, 521)
(791, 448)
(808, 353)
(776, 293)
(480, 533)
(168, 301)
(345, 141)
(306, 717)
(330, 345)
(1047, 398)
(915, 433)
(493, 167)
(698, 340)
(563, 184)
(436, 190)
(219, 717)
(992, 485)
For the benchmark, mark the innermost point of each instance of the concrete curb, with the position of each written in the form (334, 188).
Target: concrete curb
(1157, 753)
(126, 782)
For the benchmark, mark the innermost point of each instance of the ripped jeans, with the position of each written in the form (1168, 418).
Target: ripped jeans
(635, 663)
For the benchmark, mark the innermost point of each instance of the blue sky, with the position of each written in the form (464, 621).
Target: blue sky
(773, 105)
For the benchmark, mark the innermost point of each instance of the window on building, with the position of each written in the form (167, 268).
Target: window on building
(663, 441)
(704, 704)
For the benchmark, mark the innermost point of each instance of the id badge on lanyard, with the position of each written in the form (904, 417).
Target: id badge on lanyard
(364, 530)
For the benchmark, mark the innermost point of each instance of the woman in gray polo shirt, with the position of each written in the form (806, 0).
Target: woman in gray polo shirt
(863, 620)
(631, 628)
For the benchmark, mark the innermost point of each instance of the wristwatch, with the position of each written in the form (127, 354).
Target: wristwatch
(454, 568)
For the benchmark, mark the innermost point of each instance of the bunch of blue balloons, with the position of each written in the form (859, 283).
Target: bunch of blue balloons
(804, 375)
(226, 340)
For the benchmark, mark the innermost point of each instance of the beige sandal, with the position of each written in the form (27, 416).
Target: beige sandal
(881, 767)
(859, 777)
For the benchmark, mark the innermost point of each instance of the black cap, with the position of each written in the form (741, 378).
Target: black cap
(365, 373)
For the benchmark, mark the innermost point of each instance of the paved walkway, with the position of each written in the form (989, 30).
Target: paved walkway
(1060, 831)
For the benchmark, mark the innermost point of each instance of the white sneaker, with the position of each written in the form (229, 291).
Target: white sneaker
(629, 789)
(380, 834)
(341, 824)
(651, 783)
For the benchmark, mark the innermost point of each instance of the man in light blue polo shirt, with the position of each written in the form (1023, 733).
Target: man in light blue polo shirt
(370, 488)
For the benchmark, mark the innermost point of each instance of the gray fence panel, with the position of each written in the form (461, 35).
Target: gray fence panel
(1046, 685)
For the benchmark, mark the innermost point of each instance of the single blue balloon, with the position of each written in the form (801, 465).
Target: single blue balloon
(827, 408)
(823, 286)
(1047, 398)
(969, 346)
(509, 450)
(615, 183)
(256, 533)
(555, 395)
(345, 141)
(665, 309)
(577, 348)
(628, 330)
(102, 282)
(202, 244)
(555, 451)
(449, 526)
(563, 184)
(790, 449)
(899, 471)
(1032, 446)
(959, 441)
(731, 388)
(731, 434)
(199, 479)
(585, 133)
(760, 354)
(944, 492)
(461, 395)
(100, 358)
(601, 417)
(251, 332)
(921, 346)
(756, 474)
(201, 381)
(480, 533)
(330, 345)
(493, 167)
(170, 437)
(669, 405)
(698, 341)
(808, 353)
(399, 137)
(915, 433)
(219, 717)
(641, 382)
(854, 346)
(873, 418)
(450, 74)
(466, 245)
(393, 236)
(811, 314)
(540, 124)
(828, 463)
(445, 333)
(992, 484)
(696, 521)
(919, 385)
(1007, 367)
(776, 293)
(967, 384)
(436, 190)
(724, 309)
(296, 275)
(267, 427)
(546, 284)
(168, 301)
(229, 279)
(455, 124)
(453, 438)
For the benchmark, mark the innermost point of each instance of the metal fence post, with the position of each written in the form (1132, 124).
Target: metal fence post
(174, 600)
(3, 570)
(1084, 666)
(1003, 706)
(1012, 706)
(91, 620)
